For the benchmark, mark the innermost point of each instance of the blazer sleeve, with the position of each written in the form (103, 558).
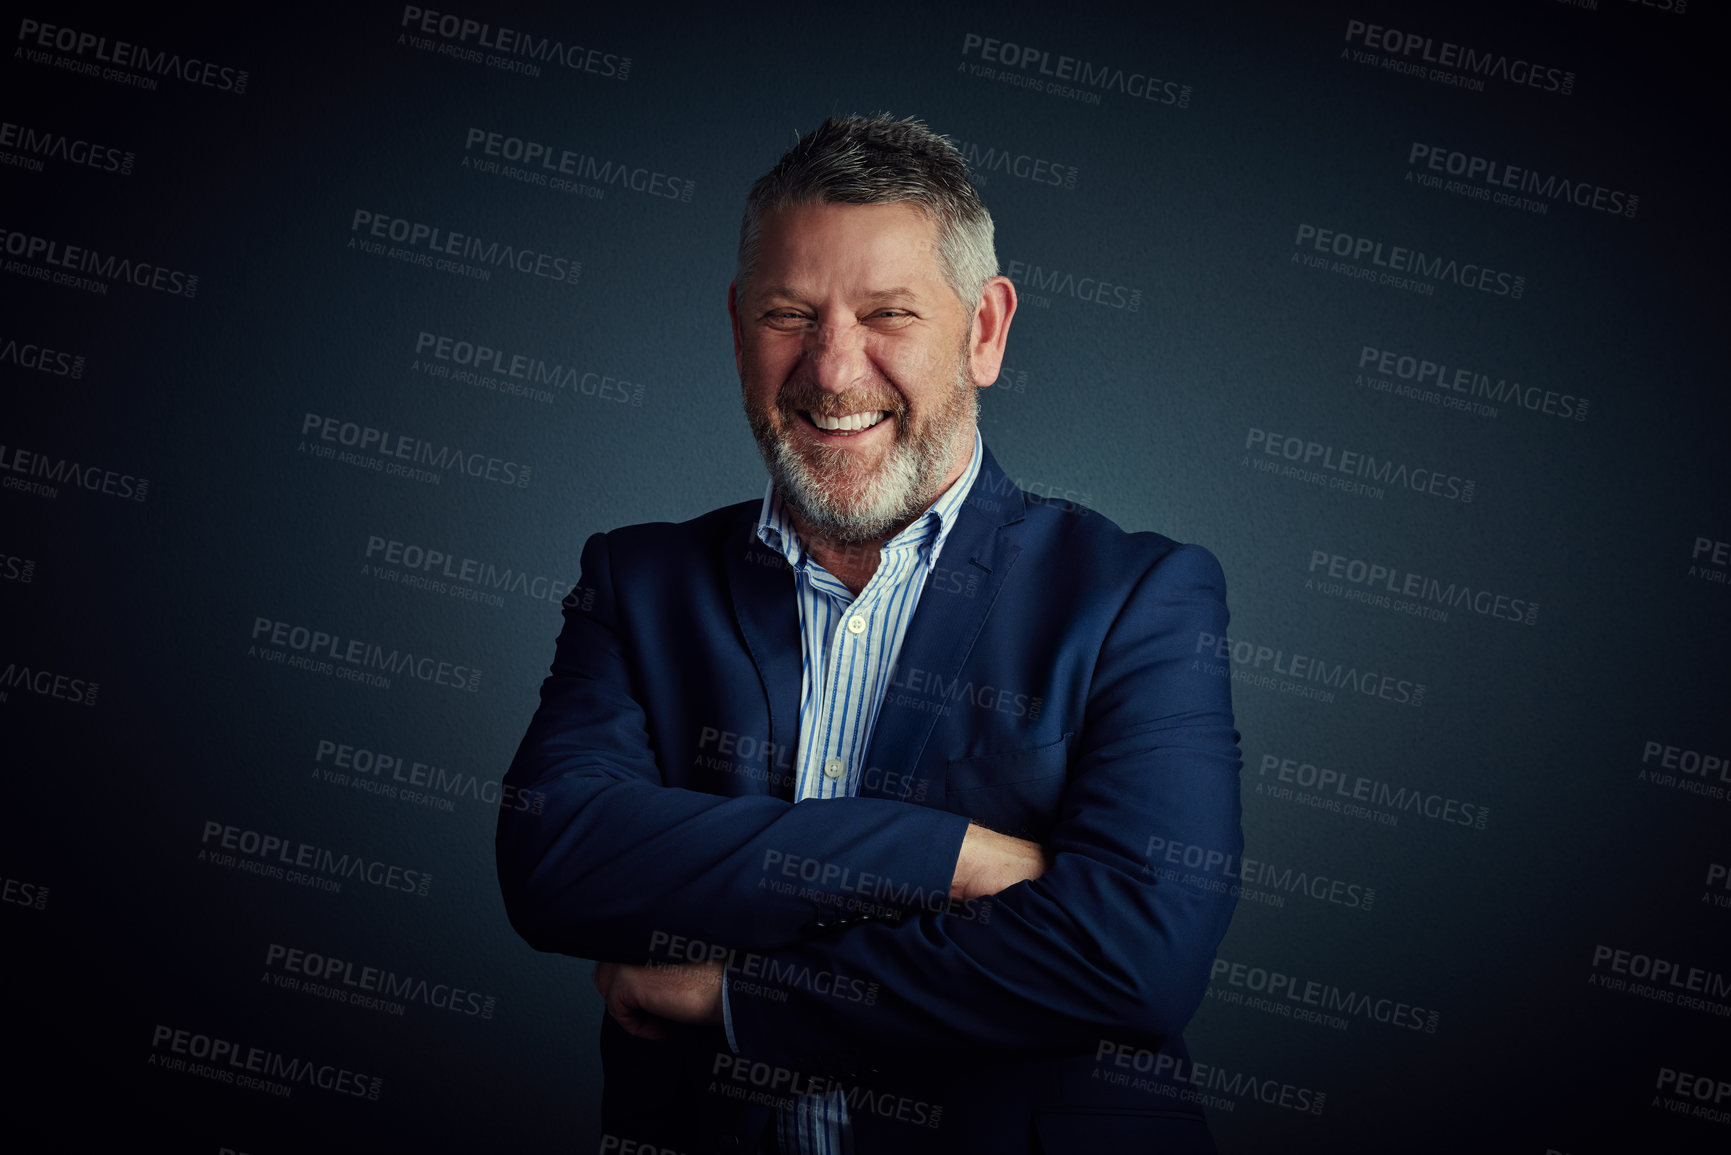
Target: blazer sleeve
(1108, 943)
(599, 859)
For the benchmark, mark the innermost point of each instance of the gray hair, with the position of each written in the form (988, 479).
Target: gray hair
(857, 160)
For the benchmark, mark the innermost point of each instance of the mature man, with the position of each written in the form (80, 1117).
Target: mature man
(883, 759)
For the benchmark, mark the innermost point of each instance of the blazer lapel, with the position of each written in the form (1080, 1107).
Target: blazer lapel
(763, 602)
(976, 558)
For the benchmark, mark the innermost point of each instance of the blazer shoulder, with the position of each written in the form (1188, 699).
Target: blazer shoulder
(1079, 538)
(702, 534)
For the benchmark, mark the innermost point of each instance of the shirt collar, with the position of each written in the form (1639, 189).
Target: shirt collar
(928, 532)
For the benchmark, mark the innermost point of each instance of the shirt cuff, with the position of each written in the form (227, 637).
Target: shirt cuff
(727, 1015)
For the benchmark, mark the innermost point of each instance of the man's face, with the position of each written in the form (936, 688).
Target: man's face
(854, 365)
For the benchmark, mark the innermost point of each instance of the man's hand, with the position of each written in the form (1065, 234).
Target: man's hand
(645, 999)
(990, 861)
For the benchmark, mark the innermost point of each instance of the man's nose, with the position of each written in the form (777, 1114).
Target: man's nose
(836, 352)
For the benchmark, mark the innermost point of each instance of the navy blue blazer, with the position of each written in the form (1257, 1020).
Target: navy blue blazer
(1049, 686)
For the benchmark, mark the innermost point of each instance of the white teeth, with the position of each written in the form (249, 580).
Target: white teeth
(852, 423)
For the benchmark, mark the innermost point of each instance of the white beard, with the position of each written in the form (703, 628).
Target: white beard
(849, 504)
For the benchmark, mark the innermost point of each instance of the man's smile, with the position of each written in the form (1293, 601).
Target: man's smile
(846, 426)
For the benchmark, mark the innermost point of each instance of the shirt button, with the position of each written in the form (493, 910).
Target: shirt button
(834, 768)
(856, 625)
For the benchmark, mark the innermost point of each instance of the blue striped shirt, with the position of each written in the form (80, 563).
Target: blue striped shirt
(850, 650)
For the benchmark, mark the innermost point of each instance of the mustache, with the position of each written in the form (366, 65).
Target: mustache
(793, 399)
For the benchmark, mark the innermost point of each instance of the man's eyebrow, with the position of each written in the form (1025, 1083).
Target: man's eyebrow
(880, 297)
(885, 296)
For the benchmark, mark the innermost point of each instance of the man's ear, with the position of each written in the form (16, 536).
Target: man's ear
(738, 338)
(991, 329)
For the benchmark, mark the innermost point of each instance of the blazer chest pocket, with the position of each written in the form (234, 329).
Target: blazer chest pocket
(1016, 793)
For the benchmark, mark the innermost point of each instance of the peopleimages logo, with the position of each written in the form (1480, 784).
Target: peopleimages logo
(1674, 7)
(985, 161)
(1660, 979)
(429, 245)
(1684, 769)
(28, 679)
(934, 692)
(561, 169)
(124, 61)
(353, 659)
(51, 472)
(504, 48)
(17, 892)
(1499, 181)
(80, 267)
(839, 886)
(1037, 280)
(1224, 873)
(1388, 260)
(777, 976)
(1077, 79)
(268, 854)
(1451, 63)
(1268, 666)
(17, 569)
(511, 371)
(1709, 559)
(392, 776)
(400, 447)
(1391, 586)
(1324, 788)
(1322, 998)
(464, 572)
(759, 1084)
(1162, 1073)
(1700, 1096)
(1308, 458)
(343, 980)
(1454, 387)
(34, 145)
(226, 1061)
(41, 359)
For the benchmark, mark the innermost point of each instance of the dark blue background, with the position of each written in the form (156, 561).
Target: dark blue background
(1140, 415)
